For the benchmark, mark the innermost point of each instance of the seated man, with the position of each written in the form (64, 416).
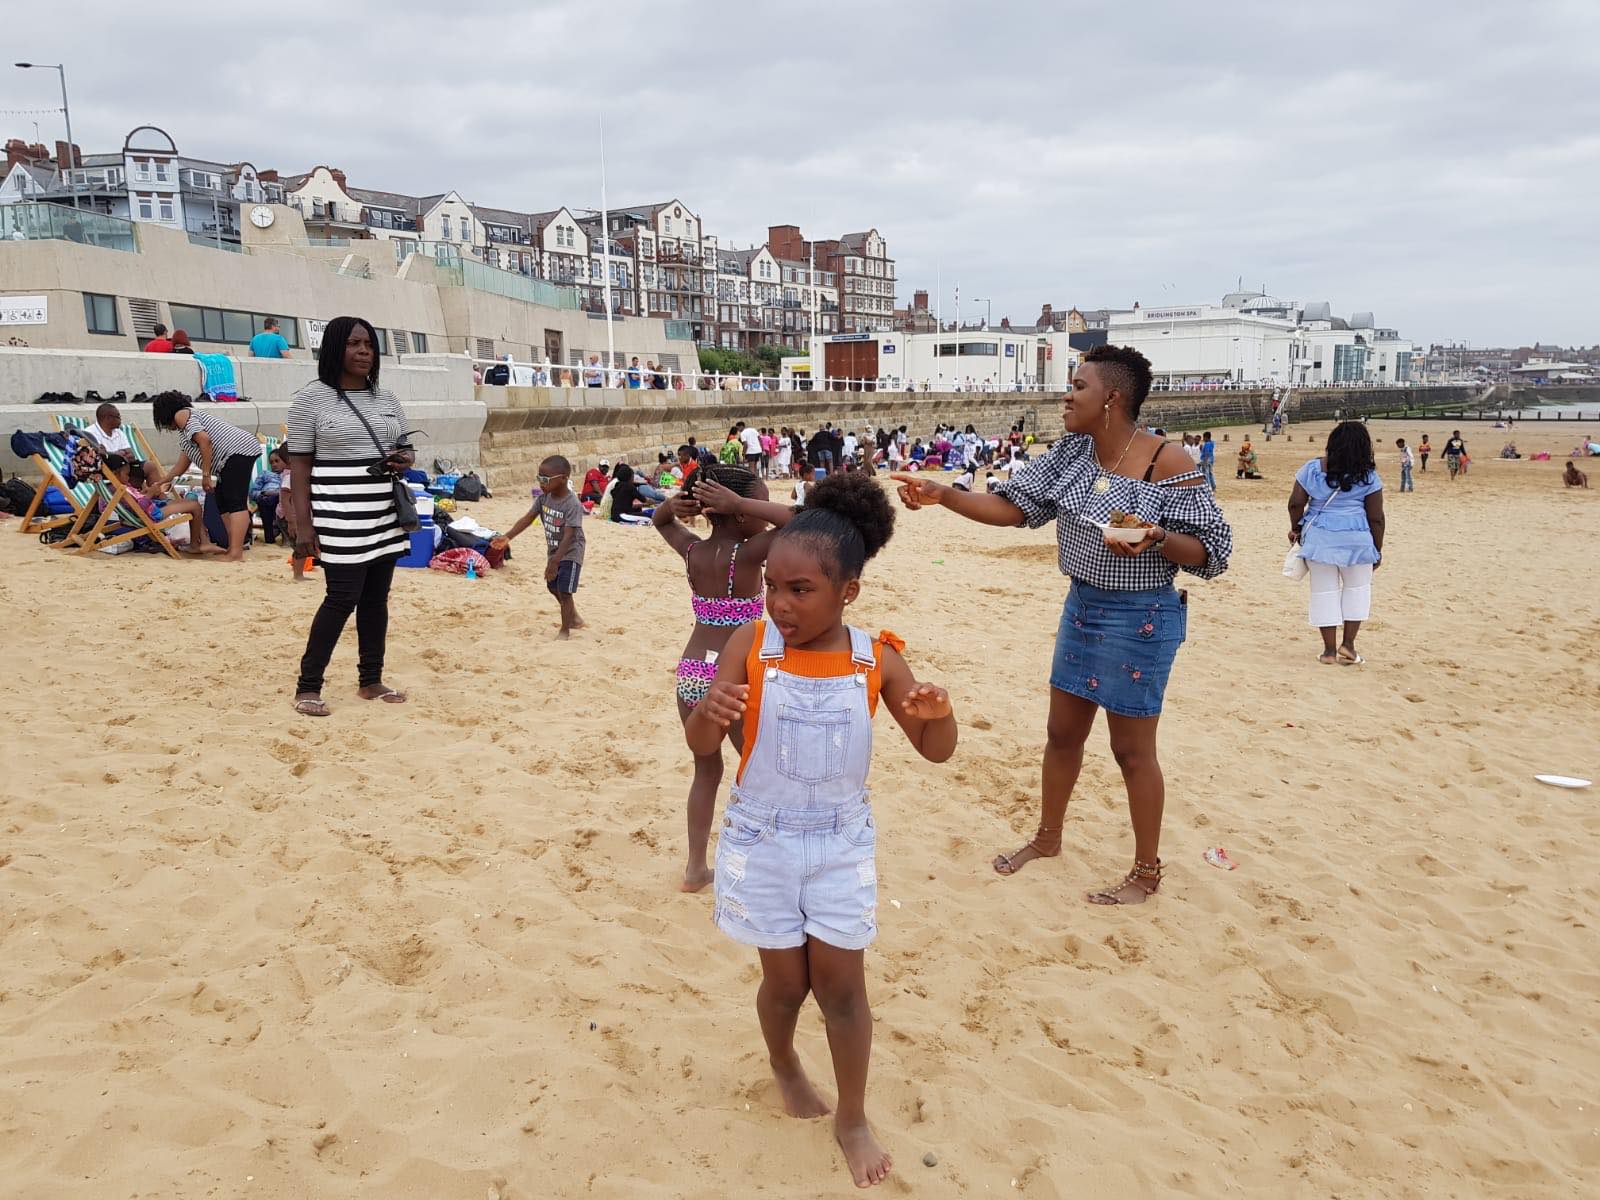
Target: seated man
(594, 482)
(107, 432)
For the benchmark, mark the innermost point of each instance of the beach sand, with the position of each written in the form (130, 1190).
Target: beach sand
(438, 950)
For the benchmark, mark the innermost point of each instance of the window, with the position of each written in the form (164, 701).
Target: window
(419, 342)
(100, 313)
(147, 207)
(231, 326)
(141, 169)
(666, 224)
(166, 208)
(446, 220)
(163, 171)
(383, 341)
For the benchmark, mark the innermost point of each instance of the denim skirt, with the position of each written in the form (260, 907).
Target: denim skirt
(1116, 648)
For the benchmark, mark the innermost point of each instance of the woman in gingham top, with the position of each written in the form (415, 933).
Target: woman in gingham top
(1123, 621)
(343, 493)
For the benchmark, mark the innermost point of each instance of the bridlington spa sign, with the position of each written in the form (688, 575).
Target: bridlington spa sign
(1170, 314)
(24, 310)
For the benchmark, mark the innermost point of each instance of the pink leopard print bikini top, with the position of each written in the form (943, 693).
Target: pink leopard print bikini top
(724, 612)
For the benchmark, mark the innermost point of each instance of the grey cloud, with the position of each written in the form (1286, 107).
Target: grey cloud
(1432, 162)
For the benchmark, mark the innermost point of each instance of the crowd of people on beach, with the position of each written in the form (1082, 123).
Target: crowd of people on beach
(771, 665)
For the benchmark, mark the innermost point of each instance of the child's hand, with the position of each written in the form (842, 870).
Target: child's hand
(725, 702)
(499, 543)
(683, 507)
(927, 702)
(712, 497)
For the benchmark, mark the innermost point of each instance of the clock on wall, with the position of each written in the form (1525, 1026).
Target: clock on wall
(261, 216)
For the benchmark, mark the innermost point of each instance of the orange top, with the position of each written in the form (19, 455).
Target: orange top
(807, 664)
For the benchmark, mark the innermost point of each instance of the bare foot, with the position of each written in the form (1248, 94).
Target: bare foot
(579, 623)
(800, 1099)
(869, 1162)
(564, 636)
(230, 557)
(695, 879)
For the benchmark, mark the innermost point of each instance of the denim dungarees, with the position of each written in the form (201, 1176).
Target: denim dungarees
(796, 856)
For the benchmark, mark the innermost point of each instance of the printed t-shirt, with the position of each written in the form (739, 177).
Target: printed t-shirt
(556, 515)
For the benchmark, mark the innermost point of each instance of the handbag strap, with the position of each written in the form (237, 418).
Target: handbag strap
(367, 425)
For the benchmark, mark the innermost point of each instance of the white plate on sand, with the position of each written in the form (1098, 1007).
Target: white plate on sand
(1562, 781)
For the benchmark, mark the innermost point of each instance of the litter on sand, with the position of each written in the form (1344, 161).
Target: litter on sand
(1218, 857)
(1562, 781)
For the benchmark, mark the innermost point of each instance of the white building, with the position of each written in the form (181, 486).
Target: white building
(1252, 339)
(1001, 360)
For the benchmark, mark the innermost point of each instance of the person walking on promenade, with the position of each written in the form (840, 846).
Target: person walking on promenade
(346, 443)
(1123, 621)
(1342, 539)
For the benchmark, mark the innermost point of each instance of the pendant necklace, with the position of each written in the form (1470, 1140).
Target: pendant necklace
(1103, 484)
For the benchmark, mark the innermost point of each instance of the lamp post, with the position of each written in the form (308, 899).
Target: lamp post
(66, 114)
(988, 310)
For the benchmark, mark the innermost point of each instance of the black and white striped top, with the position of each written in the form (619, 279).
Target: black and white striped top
(227, 439)
(1060, 487)
(352, 511)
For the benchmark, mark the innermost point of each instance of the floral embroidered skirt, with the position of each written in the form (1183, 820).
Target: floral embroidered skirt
(1116, 648)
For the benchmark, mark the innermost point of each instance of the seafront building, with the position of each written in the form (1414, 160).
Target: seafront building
(662, 262)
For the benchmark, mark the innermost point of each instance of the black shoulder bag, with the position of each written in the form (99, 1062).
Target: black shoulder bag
(405, 504)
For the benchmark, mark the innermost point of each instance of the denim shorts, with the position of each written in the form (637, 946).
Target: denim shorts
(787, 874)
(1116, 648)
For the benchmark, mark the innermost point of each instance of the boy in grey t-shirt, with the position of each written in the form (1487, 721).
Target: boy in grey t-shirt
(562, 515)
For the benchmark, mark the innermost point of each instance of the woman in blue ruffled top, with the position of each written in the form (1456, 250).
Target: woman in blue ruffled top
(1336, 516)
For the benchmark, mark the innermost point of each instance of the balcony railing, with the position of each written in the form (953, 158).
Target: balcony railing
(399, 224)
(57, 222)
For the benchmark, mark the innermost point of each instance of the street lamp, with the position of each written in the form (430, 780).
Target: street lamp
(988, 310)
(65, 112)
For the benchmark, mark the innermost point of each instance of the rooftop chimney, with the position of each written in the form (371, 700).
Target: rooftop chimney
(63, 161)
(919, 302)
(338, 176)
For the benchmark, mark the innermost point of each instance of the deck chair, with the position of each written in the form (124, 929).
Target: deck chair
(136, 437)
(119, 519)
(52, 465)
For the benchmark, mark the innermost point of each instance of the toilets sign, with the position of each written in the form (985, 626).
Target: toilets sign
(24, 310)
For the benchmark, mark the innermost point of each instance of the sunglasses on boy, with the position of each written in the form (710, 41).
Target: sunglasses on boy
(547, 480)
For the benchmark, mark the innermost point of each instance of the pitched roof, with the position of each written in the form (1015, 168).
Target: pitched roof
(374, 198)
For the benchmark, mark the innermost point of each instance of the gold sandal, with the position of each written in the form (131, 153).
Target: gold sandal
(1141, 874)
(1003, 864)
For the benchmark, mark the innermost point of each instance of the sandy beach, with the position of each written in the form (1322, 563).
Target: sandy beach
(438, 950)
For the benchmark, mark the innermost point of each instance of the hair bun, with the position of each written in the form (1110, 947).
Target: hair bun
(856, 498)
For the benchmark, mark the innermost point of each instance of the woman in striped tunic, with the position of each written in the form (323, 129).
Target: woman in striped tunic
(340, 484)
(226, 456)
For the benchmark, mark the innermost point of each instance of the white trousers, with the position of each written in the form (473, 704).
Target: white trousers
(1340, 594)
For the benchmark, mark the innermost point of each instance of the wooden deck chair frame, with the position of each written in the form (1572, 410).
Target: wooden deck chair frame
(121, 520)
(136, 437)
(50, 476)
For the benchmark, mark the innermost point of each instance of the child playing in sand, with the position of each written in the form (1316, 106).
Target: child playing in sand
(1573, 477)
(562, 515)
(725, 593)
(796, 875)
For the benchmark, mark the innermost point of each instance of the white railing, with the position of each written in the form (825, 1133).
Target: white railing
(547, 374)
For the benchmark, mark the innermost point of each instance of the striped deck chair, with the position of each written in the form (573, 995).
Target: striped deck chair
(118, 519)
(136, 437)
(52, 466)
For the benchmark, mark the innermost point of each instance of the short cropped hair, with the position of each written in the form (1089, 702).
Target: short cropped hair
(1128, 372)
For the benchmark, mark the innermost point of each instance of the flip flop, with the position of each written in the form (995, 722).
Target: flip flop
(388, 696)
(1346, 660)
(312, 706)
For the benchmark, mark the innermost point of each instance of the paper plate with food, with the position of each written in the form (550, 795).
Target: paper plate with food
(1126, 527)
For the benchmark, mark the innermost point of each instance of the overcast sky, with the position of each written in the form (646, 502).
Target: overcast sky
(1435, 163)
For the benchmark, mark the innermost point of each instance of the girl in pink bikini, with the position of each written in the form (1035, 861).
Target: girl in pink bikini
(726, 592)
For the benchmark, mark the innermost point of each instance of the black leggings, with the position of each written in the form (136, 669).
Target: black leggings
(364, 590)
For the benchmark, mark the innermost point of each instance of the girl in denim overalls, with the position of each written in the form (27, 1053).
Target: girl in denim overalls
(795, 870)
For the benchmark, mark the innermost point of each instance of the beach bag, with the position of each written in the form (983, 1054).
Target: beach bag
(1294, 562)
(455, 561)
(17, 495)
(443, 466)
(469, 487)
